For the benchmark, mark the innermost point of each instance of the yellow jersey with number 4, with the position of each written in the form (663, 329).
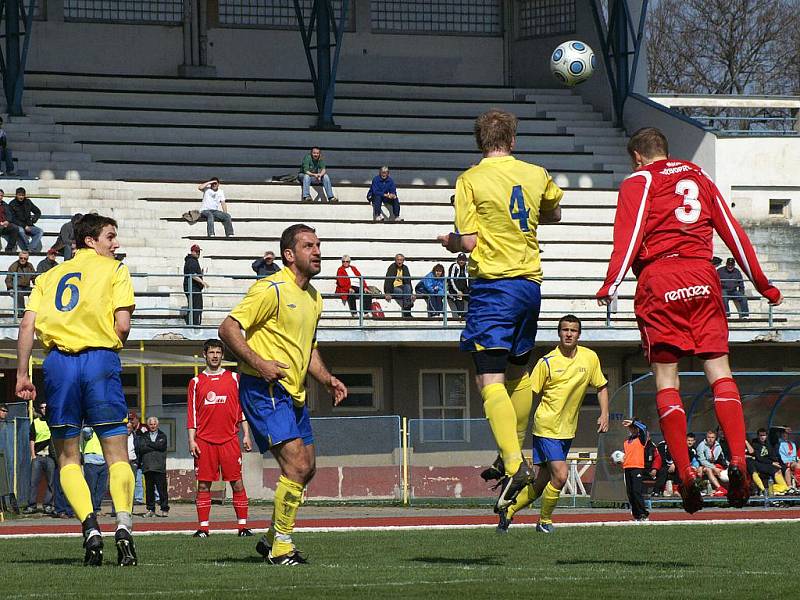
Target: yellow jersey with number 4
(75, 302)
(562, 381)
(279, 319)
(500, 199)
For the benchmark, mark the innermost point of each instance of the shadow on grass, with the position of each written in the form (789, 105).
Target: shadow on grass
(62, 560)
(449, 560)
(628, 563)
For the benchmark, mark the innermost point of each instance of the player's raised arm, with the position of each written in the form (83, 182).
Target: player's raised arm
(740, 246)
(629, 222)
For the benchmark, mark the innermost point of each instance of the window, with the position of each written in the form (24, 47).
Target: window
(471, 17)
(780, 207)
(363, 389)
(130, 387)
(174, 385)
(444, 404)
(279, 14)
(137, 11)
(539, 18)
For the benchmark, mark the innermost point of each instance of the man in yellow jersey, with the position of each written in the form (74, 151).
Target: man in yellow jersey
(279, 317)
(498, 204)
(81, 313)
(561, 377)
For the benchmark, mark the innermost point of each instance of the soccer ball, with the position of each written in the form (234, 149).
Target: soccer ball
(572, 62)
(723, 476)
(617, 456)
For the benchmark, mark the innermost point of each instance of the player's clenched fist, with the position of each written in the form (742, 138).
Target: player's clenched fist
(194, 449)
(25, 389)
(272, 370)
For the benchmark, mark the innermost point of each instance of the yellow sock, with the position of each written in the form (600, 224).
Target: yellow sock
(549, 500)
(288, 495)
(780, 486)
(525, 498)
(76, 491)
(503, 421)
(758, 482)
(121, 484)
(519, 390)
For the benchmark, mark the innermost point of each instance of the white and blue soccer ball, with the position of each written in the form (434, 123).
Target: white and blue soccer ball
(617, 457)
(572, 62)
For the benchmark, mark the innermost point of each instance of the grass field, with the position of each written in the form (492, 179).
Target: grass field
(672, 561)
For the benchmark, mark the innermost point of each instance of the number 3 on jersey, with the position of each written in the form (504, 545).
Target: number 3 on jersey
(689, 211)
(61, 292)
(518, 202)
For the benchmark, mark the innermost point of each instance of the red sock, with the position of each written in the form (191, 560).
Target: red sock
(672, 418)
(797, 476)
(203, 503)
(240, 506)
(728, 406)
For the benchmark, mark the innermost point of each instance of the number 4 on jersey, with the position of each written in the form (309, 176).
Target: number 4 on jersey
(518, 203)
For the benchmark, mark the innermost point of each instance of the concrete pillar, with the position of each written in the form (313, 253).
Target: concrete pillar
(195, 40)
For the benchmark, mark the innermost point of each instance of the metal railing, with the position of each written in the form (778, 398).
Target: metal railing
(171, 299)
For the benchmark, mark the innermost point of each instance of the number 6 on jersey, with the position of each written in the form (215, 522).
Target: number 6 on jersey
(74, 293)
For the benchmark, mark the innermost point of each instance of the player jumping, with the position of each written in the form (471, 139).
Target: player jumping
(81, 313)
(279, 316)
(667, 212)
(212, 419)
(498, 205)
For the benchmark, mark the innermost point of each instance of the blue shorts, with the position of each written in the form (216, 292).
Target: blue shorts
(502, 315)
(271, 413)
(84, 389)
(549, 449)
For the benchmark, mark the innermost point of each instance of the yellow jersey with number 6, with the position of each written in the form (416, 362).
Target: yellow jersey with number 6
(500, 199)
(75, 302)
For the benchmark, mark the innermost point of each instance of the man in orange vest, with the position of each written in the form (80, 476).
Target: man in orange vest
(634, 464)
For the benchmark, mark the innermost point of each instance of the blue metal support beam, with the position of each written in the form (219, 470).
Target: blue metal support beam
(321, 24)
(18, 24)
(618, 33)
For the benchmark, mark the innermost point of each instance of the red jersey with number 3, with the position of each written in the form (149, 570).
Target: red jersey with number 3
(670, 209)
(213, 407)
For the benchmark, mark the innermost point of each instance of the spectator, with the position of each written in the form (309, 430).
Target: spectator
(732, 283)
(19, 285)
(711, 458)
(153, 451)
(314, 172)
(432, 288)
(48, 262)
(691, 442)
(458, 286)
(65, 242)
(23, 213)
(663, 471)
(5, 152)
(135, 428)
(7, 445)
(634, 466)
(43, 462)
(193, 286)
(8, 230)
(398, 284)
(214, 207)
(767, 463)
(95, 470)
(787, 452)
(716, 261)
(383, 191)
(349, 285)
(264, 267)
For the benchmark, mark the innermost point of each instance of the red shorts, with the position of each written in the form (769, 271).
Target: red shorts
(679, 309)
(215, 457)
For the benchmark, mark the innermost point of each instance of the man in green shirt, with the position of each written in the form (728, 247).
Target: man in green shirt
(314, 172)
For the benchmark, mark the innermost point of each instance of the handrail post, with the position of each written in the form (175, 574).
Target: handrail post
(404, 438)
(361, 301)
(16, 297)
(770, 315)
(444, 301)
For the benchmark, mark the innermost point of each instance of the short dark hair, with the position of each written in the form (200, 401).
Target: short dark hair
(21, 189)
(649, 142)
(214, 179)
(569, 319)
(495, 130)
(690, 434)
(761, 430)
(438, 267)
(213, 343)
(289, 237)
(90, 225)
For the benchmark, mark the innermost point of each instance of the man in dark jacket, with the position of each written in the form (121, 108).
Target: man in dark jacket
(66, 237)
(767, 463)
(48, 262)
(730, 278)
(8, 230)
(153, 453)
(23, 213)
(264, 267)
(193, 285)
(663, 469)
(43, 461)
(398, 284)
(383, 191)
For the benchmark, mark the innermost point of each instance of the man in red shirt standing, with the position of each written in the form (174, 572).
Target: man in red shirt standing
(667, 212)
(213, 417)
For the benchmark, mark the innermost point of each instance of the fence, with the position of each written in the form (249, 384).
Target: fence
(769, 399)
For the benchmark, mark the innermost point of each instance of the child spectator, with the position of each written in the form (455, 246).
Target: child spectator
(633, 464)
(432, 288)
